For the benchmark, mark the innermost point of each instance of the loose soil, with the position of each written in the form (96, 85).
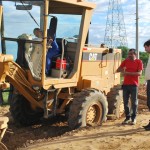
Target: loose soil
(54, 134)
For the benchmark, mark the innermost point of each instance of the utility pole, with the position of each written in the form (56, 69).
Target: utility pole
(137, 29)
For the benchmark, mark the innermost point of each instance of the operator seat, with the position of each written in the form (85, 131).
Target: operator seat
(51, 32)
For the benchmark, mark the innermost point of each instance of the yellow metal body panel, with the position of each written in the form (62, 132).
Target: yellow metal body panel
(92, 68)
(98, 69)
(21, 78)
(85, 22)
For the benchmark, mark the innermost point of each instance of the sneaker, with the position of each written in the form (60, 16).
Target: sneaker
(126, 121)
(133, 122)
(147, 126)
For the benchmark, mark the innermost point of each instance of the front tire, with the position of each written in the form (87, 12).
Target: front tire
(2, 146)
(89, 108)
(22, 112)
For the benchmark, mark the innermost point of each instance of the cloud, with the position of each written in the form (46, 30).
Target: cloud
(129, 14)
(98, 23)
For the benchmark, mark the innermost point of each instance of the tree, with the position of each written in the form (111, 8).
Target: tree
(124, 51)
(144, 57)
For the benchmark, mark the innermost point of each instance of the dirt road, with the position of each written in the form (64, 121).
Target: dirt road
(112, 135)
(54, 134)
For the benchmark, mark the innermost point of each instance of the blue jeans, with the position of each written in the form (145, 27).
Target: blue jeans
(130, 91)
(49, 56)
(148, 94)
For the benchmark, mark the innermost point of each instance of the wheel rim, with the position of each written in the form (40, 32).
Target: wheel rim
(94, 114)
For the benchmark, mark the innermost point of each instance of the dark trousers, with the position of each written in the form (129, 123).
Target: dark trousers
(148, 94)
(50, 54)
(130, 91)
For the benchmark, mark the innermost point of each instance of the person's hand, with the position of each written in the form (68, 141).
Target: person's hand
(49, 42)
(48, 46)
(145, 84)
(123, 72)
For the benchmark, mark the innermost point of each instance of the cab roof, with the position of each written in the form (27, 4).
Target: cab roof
(80, 3)
(64, 6)
(69, 6)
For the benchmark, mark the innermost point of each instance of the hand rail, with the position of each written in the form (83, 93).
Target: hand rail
(62, 56)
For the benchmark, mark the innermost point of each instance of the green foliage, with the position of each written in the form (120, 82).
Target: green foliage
(124, 51)
(142, 79)
(5, 96)
(144, 57)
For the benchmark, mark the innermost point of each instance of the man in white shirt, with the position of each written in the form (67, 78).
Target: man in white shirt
(147, 78)
(38, 33)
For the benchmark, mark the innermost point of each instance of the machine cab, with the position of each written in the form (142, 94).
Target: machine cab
(52, 18)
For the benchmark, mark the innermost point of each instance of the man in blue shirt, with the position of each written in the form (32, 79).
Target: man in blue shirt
(52, 51)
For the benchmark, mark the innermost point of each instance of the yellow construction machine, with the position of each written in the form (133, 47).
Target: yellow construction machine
(82, 85)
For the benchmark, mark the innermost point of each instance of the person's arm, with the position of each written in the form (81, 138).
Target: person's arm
(138, 73)
(145, 83)
(120, 69)
(49, 43)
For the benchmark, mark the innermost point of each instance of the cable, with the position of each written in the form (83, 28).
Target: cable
(29, 13)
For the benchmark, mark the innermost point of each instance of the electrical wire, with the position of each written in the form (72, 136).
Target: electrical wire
(29, 13)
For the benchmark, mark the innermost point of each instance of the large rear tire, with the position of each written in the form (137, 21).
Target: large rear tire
(2, 146)
(22, 112)
(115, 102)
(89, 108)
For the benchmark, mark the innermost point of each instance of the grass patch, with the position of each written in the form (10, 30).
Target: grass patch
(4, 97)
(142, 79)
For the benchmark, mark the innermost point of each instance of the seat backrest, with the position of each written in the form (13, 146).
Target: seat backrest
(34, 60)
(21, 54)
(71, 50)
(52, 28)
(23, 48)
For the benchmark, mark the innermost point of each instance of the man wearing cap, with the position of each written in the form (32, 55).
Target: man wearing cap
(53, 50)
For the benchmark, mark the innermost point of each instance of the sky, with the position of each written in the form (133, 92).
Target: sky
(129, 13)
(98, 23)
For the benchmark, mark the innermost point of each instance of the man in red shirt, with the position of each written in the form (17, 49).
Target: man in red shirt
(131, 68)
